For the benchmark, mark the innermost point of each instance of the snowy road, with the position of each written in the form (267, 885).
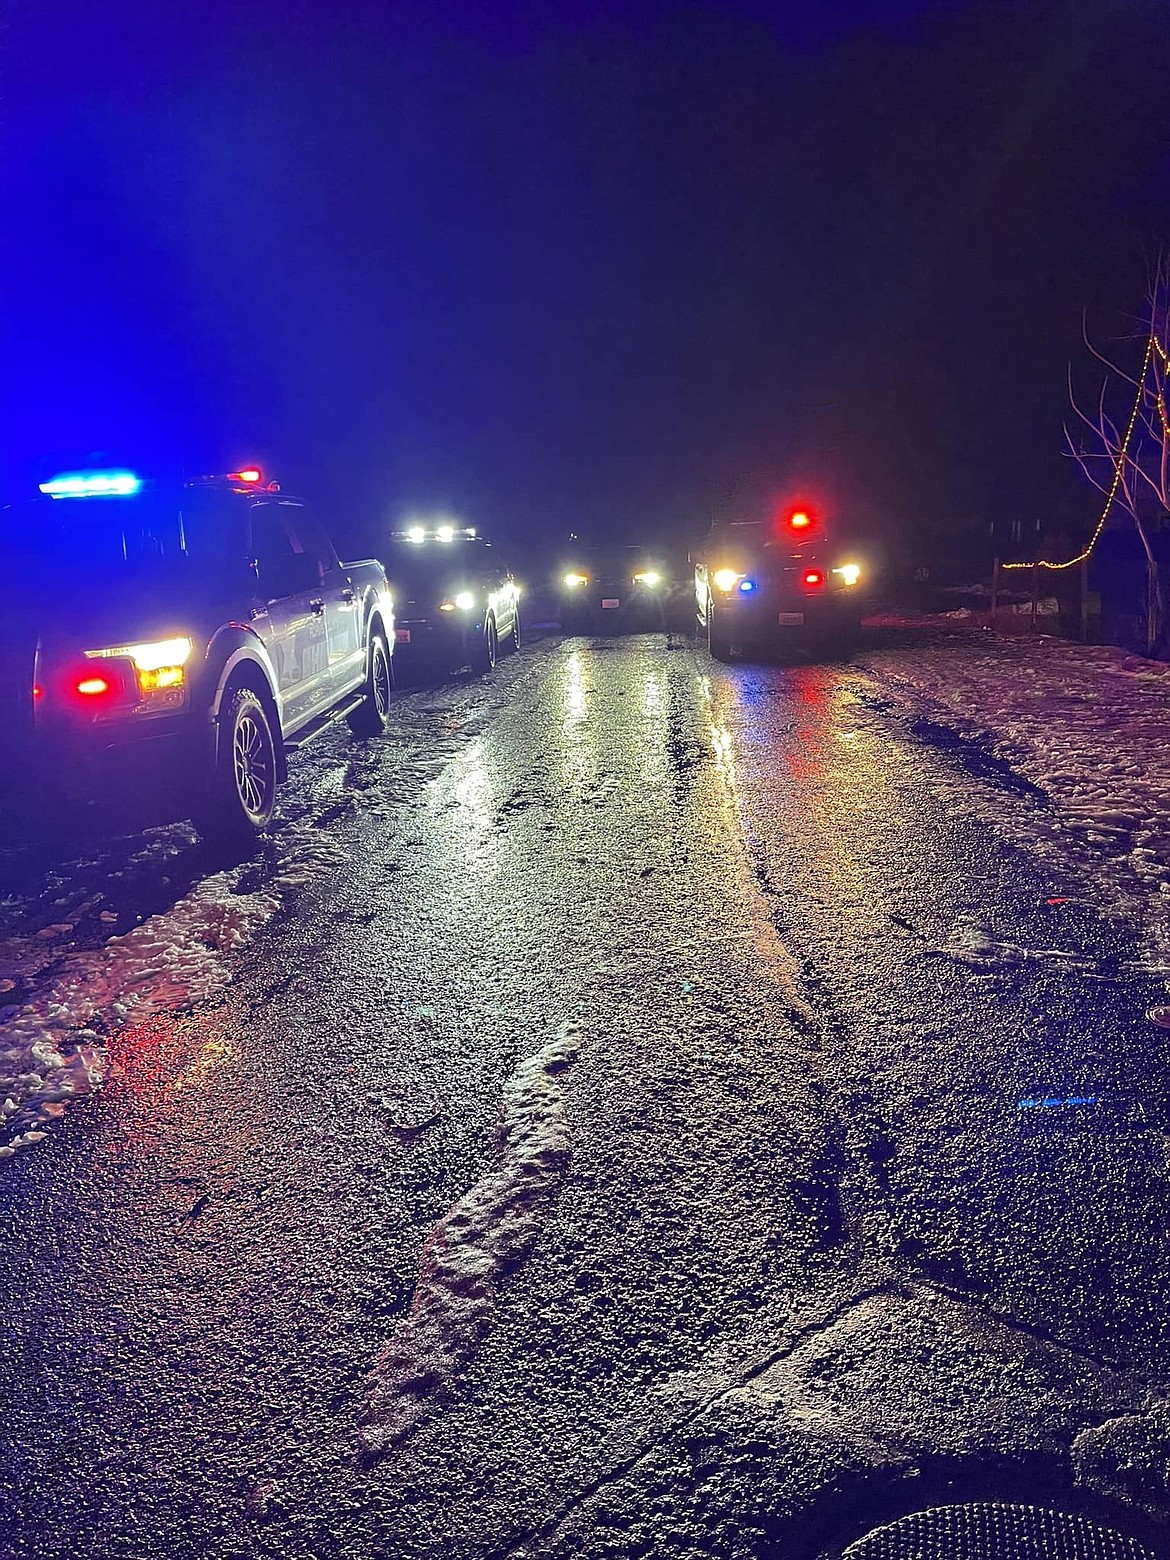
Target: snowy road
(637, 1107)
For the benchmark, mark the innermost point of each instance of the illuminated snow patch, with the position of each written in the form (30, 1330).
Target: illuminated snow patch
(1086, 725)
(52, 1050)
(493, 1225)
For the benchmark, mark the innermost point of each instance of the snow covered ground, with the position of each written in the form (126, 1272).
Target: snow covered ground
(52, 1046)
(1087, 725)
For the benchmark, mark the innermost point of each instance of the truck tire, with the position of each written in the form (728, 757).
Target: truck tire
(369, 718)
(241, 791)
(717, 641)
(487, 648)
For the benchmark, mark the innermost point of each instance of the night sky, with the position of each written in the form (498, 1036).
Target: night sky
(554, 265)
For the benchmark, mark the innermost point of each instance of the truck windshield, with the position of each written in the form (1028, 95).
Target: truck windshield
(432, 564)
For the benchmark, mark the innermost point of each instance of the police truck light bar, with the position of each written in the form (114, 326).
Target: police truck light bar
(92, 484)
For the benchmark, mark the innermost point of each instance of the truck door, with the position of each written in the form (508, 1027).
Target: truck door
(290, 586)
(346, 664)
(501, 592)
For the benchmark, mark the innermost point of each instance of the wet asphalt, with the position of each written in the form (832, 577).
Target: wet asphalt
(692, 1122)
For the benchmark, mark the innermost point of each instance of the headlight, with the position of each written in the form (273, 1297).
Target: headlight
(850, 573)
(726, 579)
(160, 666)
(152, 657)
(575, 581)
(465, 600)
(648, 577)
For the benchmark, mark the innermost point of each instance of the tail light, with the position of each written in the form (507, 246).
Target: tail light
(812, 579)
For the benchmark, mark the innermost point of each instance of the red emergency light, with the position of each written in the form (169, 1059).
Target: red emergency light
(795, 518)
(85, 687)
(812, 579)
(249, 474)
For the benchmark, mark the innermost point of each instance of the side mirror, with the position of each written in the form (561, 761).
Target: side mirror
(290, 574)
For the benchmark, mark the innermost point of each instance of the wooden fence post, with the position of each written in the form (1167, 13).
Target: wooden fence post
(1084, 602)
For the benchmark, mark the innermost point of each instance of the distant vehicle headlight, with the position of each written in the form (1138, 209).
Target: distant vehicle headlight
(465, 600)
(648, 577)
(160, 665)
(574, 581)
(726, 579)
(849, 573)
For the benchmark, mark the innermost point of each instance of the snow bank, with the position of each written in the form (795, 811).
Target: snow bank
(51, 1049)
(1088, 725)
(494, 1224)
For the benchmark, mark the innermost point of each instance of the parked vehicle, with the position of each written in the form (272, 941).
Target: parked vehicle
(209, 620)
(457, 605)
(765, 586)
(622, 587)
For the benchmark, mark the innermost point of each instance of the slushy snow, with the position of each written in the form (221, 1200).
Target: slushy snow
(491, 1226)
(52, 1050)
(1088, 725)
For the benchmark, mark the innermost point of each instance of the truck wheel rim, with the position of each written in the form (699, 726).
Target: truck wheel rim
(252, 764)
(381, 681)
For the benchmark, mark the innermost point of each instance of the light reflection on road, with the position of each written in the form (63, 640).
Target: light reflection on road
(471, 786)
(987, 1159)
(574, 690)
(798, 769)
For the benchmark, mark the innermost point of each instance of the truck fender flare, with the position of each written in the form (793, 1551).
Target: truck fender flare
(246, 663)
(375, 619)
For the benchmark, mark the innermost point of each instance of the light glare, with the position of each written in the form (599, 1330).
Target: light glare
(92, 484)
(151, 657)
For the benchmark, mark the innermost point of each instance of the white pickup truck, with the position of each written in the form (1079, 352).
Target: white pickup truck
(211, 619)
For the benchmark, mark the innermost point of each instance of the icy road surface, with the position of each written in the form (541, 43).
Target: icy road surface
(637, 1107)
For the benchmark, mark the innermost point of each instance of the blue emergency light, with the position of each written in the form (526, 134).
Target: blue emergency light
(92, 484)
